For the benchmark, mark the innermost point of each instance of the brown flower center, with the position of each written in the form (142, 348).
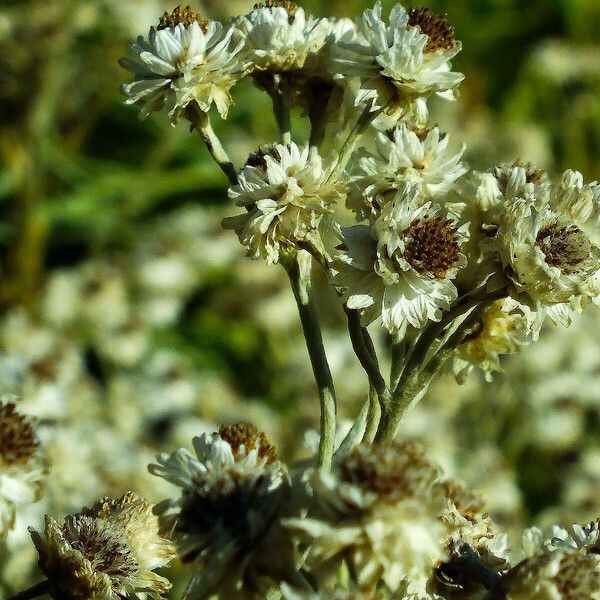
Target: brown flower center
(290, 7)
(244, 434)
(532, 175)
(433, 248)
(564, 247)
(257, 157)
(186, 16)
(17, 439)
(435, 27)
(388, 469)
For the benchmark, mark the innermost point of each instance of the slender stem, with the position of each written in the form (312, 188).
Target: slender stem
(282, 105)
(200, 121)
(363, 352)
(373, 416)
(301, 287)
(39, 589)
(398, 354)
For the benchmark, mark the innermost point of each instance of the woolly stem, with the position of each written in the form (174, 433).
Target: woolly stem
(300, 279)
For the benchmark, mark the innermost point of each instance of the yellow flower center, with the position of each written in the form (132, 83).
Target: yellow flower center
(244, 434)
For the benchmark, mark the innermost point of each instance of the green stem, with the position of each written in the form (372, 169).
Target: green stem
(301, 287)
(373, 416)
(360, 344)
(200, 121)
(39, 589)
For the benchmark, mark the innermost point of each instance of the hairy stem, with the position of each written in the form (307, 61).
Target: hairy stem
(39, 589)
(200, 121)
(300, 279)
(373, 416)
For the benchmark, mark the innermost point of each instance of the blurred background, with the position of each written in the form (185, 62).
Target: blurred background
(130, 321)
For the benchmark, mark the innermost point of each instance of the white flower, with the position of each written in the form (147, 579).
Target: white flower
(226, 519)
(188, 59)
(402, 61)
(280, 38)
(23, 464)
(404, 156)
(379, 509)
(401, 267)
(286, 190)
(107, 552)
(553, 265)
(499, 332)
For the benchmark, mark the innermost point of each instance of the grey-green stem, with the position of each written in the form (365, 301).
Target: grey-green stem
(301, 287)
(200, 121)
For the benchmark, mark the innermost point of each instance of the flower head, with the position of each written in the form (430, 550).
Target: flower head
(286, 190)
(107, 552)
(226, 519)
(400, 61)
(279, 38)
(185, 59)
(23, 464)
(401, 267)
(379, 509)
(404, 156)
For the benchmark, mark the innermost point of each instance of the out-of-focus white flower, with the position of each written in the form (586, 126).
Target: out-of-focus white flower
(404, 156)
(186, 59)
(401, 267)
(280, 38)
(565, 574)
(107, 552)
(498, 333)
(400, 61)
(23, 464)
(226, 519)
(286, 189)
(379, 508)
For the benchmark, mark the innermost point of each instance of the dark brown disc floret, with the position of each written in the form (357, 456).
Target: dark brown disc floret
(435, 27)
(247, 435)
(564, 246)
(433, 246)
(17, 438)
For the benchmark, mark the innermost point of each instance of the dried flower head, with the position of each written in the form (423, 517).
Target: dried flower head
(107, 552)
(23, 464)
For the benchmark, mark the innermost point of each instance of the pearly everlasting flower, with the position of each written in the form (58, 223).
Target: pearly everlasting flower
(280, 38)
(556, 575)
(498, 332)
(404, 156)
(400, 61)
(187, 59)
(23, 464)
(286, 190)
(379, 509)
(107, 552)
(226, 519)
(553, 265)
(401, 266)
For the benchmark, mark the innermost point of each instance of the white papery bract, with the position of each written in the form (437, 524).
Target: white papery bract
(181, 63)
(553, 265)
(286, 189)
(379, 508)
(401, 267)
(400, 61)
(226, 519)
(23, 464)
(404, 156)
(281, 38)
